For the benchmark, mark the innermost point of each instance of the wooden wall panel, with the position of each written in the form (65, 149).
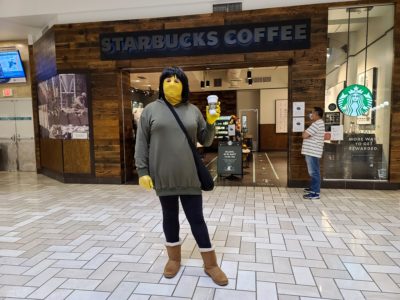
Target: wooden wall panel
(126, 123)
(77, 156)
(35, 110)
(272, 141)
(52, 154)
(106, 127)
(394, 171)
(44, 55)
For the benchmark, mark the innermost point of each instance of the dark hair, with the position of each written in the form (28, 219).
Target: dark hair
(178, 72)
(319, 111)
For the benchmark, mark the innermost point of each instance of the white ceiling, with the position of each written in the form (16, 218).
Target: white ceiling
(20, 18)
(279, 78)
(339, 18)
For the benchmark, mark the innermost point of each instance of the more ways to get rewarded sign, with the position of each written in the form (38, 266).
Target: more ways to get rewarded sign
(229, 158)
(269, 36)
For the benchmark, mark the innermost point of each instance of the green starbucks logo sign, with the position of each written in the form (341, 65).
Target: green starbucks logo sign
(355, 100)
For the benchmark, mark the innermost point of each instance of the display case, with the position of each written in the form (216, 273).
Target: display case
(221, 128)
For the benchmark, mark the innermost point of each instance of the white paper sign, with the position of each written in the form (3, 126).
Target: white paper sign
(281, 116)
(337, 133)
(231, 130)
(298, 109)
(298, 124)
(80, 135)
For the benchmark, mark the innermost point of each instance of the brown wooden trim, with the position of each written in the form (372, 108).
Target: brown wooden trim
(35, 110)
(269, 140)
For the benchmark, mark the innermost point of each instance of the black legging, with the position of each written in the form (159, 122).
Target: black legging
(193, 208)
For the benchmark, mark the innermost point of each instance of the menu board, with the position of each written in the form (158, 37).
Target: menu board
(229, 158)
(281, 116)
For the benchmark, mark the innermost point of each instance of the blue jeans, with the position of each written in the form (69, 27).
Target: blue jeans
(313, 171)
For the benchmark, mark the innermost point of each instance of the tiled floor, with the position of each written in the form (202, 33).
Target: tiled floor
(262, 170)
(105, 242)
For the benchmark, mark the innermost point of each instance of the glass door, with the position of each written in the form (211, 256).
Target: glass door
(17, 146)
(8, 138)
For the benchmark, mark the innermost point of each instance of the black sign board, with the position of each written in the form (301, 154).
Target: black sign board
(258, 37)
(229, 158)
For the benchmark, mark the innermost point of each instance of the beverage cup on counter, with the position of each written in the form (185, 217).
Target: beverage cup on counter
(212, 104)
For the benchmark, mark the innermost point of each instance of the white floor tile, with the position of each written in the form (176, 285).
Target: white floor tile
(106, 241)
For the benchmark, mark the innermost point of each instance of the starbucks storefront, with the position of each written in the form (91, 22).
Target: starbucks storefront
(329, 50)
(359, 94)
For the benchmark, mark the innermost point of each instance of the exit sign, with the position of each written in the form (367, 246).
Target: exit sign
(7, 92)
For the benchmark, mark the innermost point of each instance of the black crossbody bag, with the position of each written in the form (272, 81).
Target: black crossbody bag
(207, 182)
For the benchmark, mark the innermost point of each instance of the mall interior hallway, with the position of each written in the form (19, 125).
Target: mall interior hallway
(92, 241)
(264, 169)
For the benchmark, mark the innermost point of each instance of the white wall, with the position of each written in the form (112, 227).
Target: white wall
(267, 103)
(247, 99)
(279, 79)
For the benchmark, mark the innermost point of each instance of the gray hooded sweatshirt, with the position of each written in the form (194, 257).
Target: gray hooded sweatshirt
(163, 152)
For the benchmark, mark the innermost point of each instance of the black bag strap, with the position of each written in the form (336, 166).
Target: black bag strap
(192, 146)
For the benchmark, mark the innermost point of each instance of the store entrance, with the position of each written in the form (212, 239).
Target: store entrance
(254, 116)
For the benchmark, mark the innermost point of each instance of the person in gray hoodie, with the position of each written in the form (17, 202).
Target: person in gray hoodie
(165, 162)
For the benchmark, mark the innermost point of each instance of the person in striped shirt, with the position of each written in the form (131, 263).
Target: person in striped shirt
(312, 149)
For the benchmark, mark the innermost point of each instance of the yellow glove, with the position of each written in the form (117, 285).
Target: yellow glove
(212, 118)
(146, 182)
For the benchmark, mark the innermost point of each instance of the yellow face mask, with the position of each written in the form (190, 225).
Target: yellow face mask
(173, 90)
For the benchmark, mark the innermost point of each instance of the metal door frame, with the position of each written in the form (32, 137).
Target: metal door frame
(257, 125)
(16, 137)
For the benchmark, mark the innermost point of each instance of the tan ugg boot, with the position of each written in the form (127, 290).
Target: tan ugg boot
(211, 267)
(174, 259)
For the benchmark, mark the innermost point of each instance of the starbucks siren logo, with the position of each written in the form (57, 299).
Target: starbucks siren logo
(355, 100)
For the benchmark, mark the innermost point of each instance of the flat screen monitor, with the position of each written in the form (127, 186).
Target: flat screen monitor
(11, 67)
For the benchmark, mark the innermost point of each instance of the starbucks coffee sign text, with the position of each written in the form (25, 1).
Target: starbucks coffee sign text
(284, 35)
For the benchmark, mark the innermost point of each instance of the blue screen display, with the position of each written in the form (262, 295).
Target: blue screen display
(11, 65)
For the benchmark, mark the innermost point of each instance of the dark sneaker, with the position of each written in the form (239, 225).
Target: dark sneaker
(307, 190)
(311, 196)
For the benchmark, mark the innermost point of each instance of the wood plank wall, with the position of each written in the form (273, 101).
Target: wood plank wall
(395, 105)
(44, 53)
(35, 110)
(272, 141)
(77, 48)
(105, 89)
(127, 156)
(51, 155)
(76, 155)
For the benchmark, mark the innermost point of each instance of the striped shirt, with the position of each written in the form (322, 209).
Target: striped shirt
(314, 145)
